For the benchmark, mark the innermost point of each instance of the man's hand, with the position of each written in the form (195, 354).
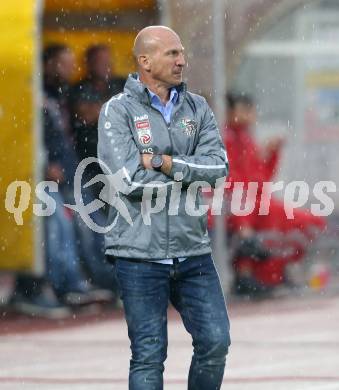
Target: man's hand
(166, 167)
(146, 160)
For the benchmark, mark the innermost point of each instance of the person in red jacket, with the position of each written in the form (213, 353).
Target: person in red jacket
(261, 262)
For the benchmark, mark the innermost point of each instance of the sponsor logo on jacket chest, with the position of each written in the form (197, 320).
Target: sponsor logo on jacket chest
(189, 126)
(143, 129)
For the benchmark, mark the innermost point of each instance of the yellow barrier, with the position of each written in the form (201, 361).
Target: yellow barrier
(17, 42)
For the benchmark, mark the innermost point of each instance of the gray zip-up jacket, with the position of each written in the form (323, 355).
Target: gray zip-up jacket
(129, 126)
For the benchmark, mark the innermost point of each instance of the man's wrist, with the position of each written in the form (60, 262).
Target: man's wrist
(167, 164)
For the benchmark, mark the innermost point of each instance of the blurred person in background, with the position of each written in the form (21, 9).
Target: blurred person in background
(89, 245)
(31, 294)
(259, 265)
(87, 97)
(85, 100)
(63, 262)
(64, 273)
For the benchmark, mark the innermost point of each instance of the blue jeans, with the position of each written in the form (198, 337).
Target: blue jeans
(194, 289)
(91, 245)
(91, 248)
(62, 259)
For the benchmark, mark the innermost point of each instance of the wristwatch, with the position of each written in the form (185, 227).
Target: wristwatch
(156, 162)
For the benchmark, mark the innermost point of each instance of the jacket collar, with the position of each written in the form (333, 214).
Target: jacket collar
(136, 89)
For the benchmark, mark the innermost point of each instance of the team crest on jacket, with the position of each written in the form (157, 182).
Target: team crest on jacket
(189, 126)
(143, 128)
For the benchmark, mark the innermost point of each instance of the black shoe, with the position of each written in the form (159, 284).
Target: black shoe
(85, 296)
(38, 306)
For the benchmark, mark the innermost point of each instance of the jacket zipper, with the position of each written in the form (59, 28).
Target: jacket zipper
(167, 200)
(168, 125)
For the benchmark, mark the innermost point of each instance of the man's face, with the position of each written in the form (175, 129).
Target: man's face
(100, 65)
(65, 65)
(167, 61)
(243, 114)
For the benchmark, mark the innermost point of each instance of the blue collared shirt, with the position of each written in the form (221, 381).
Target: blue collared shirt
(165, 109)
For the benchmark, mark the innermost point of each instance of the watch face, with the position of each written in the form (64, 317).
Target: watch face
(157, 161)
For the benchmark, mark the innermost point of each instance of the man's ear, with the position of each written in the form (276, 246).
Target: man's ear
(144, 62)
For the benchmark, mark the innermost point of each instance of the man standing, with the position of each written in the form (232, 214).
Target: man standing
(158, 135)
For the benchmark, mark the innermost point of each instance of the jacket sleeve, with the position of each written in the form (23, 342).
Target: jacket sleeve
(118, 151)
(209, 161)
